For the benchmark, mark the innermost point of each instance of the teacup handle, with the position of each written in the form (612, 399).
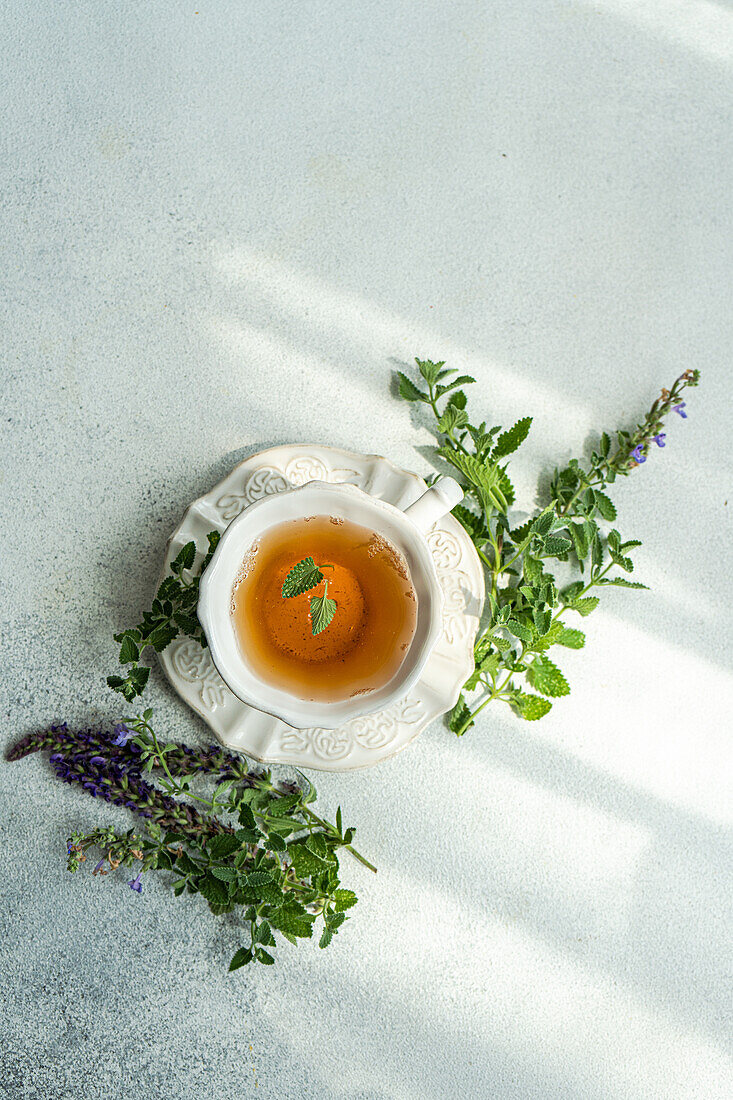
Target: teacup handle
(442, 495)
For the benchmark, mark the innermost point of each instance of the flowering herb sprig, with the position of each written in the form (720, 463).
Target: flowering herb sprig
(526, 606)
(255, 844)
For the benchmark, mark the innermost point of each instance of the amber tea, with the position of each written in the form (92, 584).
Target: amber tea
(370, 633)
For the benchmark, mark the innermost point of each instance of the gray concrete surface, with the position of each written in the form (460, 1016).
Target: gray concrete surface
(222, 223)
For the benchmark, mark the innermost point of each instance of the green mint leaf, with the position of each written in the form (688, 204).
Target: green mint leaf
(408, 390)
(459, 399)
(258, 878)
(542, 620)
(138, 677)
(473, 523)
(520, 630)
(185, 557)
(189, 624)
(224, 874)
(326, 937)
(584, 606)
(614, 541)
(430, 371)
(222, 845)
(572, 639)
(323, 609)
(287, 921)
(213, 890)
(129, 651)
(486, 477)
(162, 636)
(530, 707)
(301, 578)
(451, 419)
(545, 676)
(624, 563)
(519, 534)
(276, 843)
(621, 582)
(543, 524)
(555, 545)
(462, 380)
(169, 589)
(305, 862)
(459, 718)
(605, 506)
(264, 935)
(511, 440)
(630, 544)
(344, 899)
(116, 682)
(241, 958)
(264, 956)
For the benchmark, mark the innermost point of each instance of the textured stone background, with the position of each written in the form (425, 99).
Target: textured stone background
(222, 223)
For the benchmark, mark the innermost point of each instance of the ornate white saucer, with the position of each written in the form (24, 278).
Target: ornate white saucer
(363, 741)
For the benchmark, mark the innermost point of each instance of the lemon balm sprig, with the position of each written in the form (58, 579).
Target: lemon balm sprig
(304, 576)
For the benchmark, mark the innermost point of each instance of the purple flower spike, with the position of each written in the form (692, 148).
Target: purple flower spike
(122, 735)
(637, 454)
(136, 883)
(681, 409)
(99, 866)
(659, 439)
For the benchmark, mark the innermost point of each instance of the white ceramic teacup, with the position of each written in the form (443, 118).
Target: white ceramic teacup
(405, 530)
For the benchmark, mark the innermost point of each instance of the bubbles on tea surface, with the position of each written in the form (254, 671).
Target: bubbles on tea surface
(248, 563)
(379, 545)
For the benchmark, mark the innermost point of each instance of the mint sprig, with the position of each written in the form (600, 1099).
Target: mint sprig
(526, 605)
(172, 612)
(304, 576)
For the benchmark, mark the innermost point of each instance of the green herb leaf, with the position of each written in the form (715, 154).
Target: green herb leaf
(572, 639)
(323, 609)
(584, 606)
(555, 545)
(344, 899)
(302, 577)
(531, 707)
(544, 675)
(605, 505)
(222, 845)
(241, 958)
(621, 582)
(408, 390)
(213, 890)
(459, 719)
(431, 371)
(511, 440)
(520, 630)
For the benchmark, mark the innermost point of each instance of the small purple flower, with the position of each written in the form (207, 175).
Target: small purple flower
(136, 883)
(69, 847)
(659, 439)
(637, 454)
(99, 866)
(681, 409)
(122, 734)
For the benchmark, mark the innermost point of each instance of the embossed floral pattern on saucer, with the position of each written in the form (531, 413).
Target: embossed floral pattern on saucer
(363, 741)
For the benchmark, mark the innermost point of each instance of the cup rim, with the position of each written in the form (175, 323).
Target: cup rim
(228, 658)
